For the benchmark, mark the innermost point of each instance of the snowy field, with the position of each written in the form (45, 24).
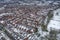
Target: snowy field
(55, 21)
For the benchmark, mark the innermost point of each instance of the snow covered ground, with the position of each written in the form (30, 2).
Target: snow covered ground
(55, 21)
(54, 24)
